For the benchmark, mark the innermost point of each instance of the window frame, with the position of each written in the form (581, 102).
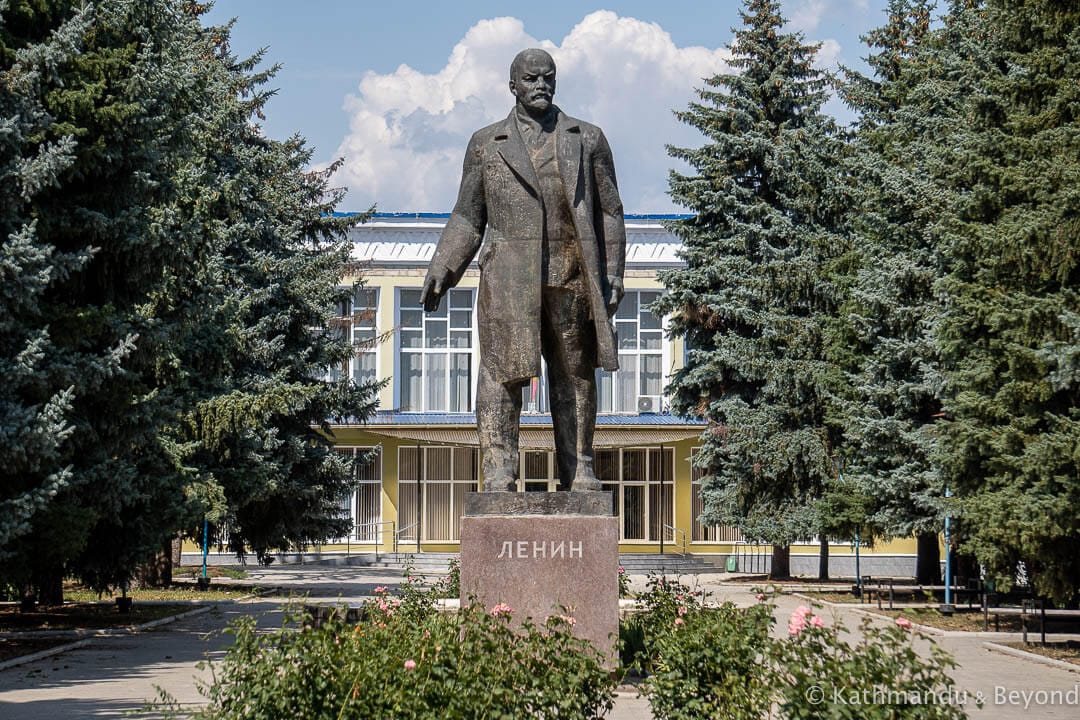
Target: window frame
(722, 534)
(353, 450)
(454, 482)
(473, 351)
(663, 352)
(618, 499)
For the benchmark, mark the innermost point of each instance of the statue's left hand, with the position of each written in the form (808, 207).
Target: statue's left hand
(615, 297)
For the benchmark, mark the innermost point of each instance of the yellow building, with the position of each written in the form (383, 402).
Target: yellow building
(411, 492)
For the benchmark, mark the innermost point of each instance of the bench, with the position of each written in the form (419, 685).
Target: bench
(892, 590)
(1028, 614)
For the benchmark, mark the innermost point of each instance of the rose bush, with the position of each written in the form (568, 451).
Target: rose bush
(404, 659)
(725, 662)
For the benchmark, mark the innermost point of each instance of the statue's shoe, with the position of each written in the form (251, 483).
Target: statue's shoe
(585, 483)
(500, 483)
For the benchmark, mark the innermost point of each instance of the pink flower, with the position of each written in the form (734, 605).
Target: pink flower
(682, 610)
(568, 619)
(817, 622)
(622, 570)
(679, 621)
(761, 597)
(804, 611)
(410, 664)
(381, 589)
(501, 610)
(797, 622)
(903, 622)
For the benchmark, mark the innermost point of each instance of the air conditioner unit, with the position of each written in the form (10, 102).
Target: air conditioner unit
(646, 405)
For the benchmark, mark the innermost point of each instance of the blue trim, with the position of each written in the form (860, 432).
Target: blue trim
(389, 417)
(444, 215)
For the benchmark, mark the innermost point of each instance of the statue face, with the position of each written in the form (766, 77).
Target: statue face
(533, 81)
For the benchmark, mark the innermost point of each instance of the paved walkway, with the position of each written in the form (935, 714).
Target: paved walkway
(116, 675)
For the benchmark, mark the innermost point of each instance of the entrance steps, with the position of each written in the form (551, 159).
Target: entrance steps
(668, 563)
(426, 563)
(435, 563)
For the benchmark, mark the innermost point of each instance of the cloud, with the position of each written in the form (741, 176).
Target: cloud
(806, 15)
(828, 55)
(408, 130)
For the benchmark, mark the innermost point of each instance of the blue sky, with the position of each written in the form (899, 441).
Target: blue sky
(397, 88)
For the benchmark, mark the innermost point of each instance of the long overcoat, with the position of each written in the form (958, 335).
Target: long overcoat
(500, 194)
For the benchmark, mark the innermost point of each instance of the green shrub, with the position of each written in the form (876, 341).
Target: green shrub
(405, 660)
(624, 583)
(879, 676)
(449, 586)
(723, 662)
(663, 604)
(710, 663)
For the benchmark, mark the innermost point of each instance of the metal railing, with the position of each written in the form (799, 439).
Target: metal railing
(377, 542)
(680, 549)
(752, 557)
(402, 531)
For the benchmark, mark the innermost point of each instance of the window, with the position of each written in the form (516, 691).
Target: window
(356, 321)
(538, 471)
(436, 353)
(446, 475)
(641, 481)
(534, 396)
(699, 532)
(364, 505)
(637, 385)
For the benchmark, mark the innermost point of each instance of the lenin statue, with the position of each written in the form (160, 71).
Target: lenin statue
(538, 192)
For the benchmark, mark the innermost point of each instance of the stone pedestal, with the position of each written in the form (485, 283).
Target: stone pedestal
(537, 552)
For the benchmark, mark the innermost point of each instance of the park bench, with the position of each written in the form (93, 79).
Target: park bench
(891, 589)
(1031, 615)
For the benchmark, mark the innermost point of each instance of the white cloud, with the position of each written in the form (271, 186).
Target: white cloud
(806, 15)
(828, 55)
(408, 130)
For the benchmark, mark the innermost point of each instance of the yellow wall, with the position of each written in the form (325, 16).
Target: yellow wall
(387, 280)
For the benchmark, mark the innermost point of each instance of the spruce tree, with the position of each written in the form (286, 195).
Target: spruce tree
(176, 270)
(892, 308)
(256, 438)
(33, 412)
(1010, 330)
(758, 285)
(124, 97)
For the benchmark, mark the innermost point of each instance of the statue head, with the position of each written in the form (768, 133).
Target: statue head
(532, 80)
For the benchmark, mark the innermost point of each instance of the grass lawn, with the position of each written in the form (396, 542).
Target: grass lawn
(965, 621)
(215, 571)
(176, 593)
(17, 648)
(844, 598)
(1068, 651)
(86, 616)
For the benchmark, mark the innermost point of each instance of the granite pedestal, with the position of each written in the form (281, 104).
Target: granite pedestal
(538, 552)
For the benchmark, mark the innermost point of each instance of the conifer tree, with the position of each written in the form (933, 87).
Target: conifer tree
(759, 283)
(124, 97)
(893, 305)
(33, 413)
(193, 265)
(255, 438)
(1010, 330)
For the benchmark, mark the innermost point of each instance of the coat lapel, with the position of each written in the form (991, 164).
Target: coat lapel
(568, 137)
(512, 149)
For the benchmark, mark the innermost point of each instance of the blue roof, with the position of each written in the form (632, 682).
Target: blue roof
(444, 215)
(390, 417)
